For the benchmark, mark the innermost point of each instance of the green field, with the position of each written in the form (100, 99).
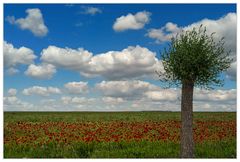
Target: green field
(115, 135)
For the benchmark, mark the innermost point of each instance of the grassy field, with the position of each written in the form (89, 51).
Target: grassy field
(115, 135)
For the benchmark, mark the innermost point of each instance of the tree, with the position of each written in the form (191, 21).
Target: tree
(193, 59)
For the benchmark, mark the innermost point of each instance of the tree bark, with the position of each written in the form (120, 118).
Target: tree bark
(187, 143)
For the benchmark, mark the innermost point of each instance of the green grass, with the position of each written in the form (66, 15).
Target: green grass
(123, 149)
(144, 149)
(110, 116)
(88, 116)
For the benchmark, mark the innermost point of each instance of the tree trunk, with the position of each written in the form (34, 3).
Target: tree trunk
(187, 143)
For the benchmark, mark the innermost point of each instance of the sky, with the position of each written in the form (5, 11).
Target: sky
(103, 57)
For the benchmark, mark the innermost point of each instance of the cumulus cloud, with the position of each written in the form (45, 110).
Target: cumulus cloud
(164, 33)
(33, 22)
(112, 65)
(163, 95)
(14, 56)
(12, 92)
(200, 95)
(12, 103)
(146, 96)
(44, 71)
(132, 22)
(125, 96)
(48, 101)
(76, 87)
(66, 57)
(41, 91)
(215, 95)
(222, 27)
(94, 104)
(90, 10)
(131, 62)
(214, 107)
(148, 105)
(113, 100)
(226, 27)
(125, 89)
(77, 100)
(11, 100)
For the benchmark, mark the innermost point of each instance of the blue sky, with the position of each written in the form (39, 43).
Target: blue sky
(80, 79)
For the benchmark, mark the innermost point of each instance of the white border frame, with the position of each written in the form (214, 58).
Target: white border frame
(113, 2)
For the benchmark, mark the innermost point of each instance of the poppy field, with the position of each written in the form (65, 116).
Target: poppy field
(115, 135)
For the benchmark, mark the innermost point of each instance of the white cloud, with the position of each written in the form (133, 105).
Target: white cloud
(33, 22)
(12, 92)
(132, 62)
(11, 100)
(215, 95)
(132, 22)
(66, 57)
(77, 100)
(148, 105)
(76, 87)
(82, 100)
(42, 91)
(12, 71)
(163, 95)
(91, 10)
(125, 89)
(14, 56)
(171, 27)
(111, 65)
(94, 104)
(214, 107)
(222, 27)
(12, 103)
(200, 95)
(113, 100)
(44, 71)
(164, 33)
(119, 96)
(48, 101)
(146, 96)
(66, 99)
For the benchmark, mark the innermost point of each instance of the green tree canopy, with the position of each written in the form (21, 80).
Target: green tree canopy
(195, 56)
